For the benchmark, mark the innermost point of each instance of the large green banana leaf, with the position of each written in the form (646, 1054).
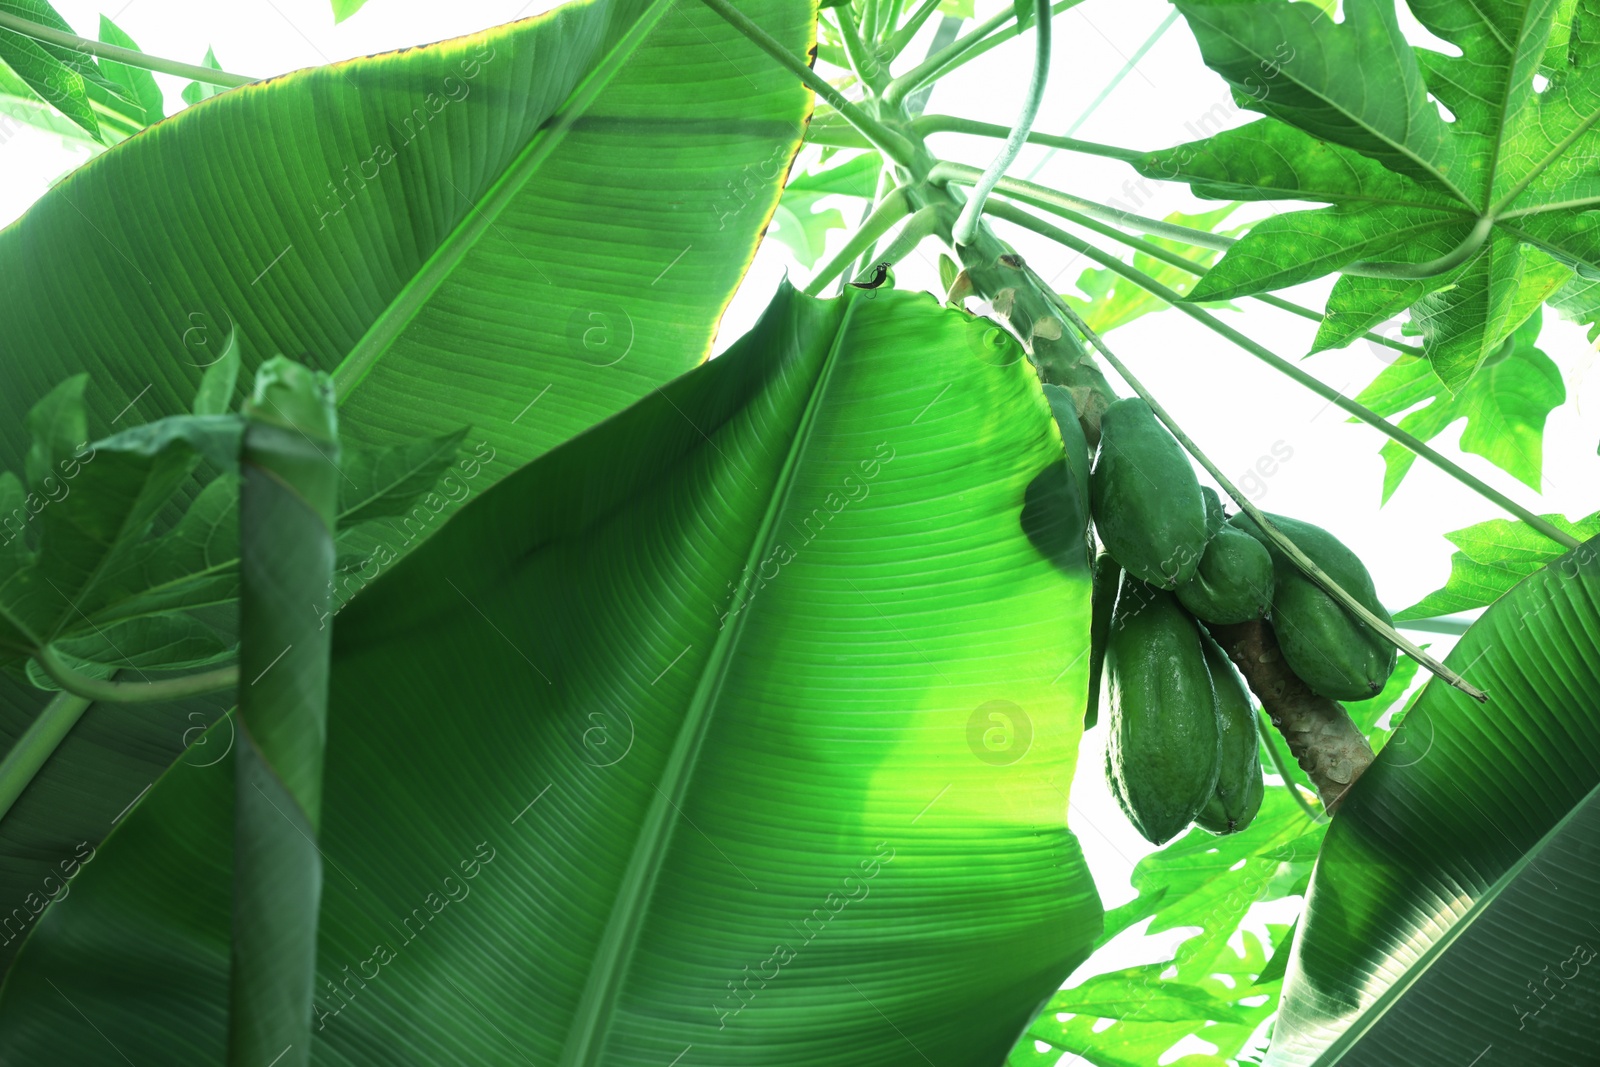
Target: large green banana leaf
(1454, 917)
(524, 230)
(737, 730)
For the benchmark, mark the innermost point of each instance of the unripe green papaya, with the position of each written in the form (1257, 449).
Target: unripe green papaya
(1234, 582)
(1332, 651)
(1076, 445)
(1145, 498)
(1164, 748)
(1215, 516)
(1103, 598)
(1240, 787)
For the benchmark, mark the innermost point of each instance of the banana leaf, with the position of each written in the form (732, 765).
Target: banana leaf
(513, 230)
(1453, 914)
(738, 729)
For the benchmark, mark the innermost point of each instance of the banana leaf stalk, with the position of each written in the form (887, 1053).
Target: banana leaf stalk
(287, 509)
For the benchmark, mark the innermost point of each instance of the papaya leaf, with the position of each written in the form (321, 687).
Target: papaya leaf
(1405, 184)
(139, 83)
(1492, 557)
(1460, 872)
(798, 222)
(173, 641)
(106, 500)
(192, 567)
(197, 91)
(1199, 881)
(385, 482)
(22, 104)
(627, 725)
(54, 73)
(1579, 301)
(1505, 405)
(343, 9)
(1109, 300)
(59, 426)
(1134, 1018)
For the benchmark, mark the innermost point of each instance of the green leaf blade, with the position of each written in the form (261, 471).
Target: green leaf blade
(1453, 871)
(792, 753)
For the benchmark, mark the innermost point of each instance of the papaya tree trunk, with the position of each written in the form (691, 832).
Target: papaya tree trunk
(1324, 740)
(287, 508)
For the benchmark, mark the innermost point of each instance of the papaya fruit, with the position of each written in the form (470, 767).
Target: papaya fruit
(1234, 582)
(1164, 747)
(1240, 787)
(1215, 516)
(1145, 498)
(1065, 412)
(1332, 651)
(1102, 599)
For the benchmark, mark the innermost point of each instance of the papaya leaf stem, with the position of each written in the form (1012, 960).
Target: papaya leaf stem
(1469, 246)
(963, 50)
(891, 144)
(1011, 213)
(902, 37)
(889, 211)
(926, 124)
(37, 744)
(126, 56)
(1166, 255)
(1276, 536)
(862, 60)
(88, 688)
(1041, 196)
(1128, 67)
(972, 213)
(1270, 739)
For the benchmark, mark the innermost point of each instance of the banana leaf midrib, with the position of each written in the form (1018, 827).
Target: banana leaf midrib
(586, 1037)
(415, 294)
(1351, 1036)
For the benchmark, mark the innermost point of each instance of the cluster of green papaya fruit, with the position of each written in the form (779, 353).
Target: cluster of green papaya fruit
(1183, 742)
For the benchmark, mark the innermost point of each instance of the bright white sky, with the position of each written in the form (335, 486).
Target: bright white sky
(1234, 406)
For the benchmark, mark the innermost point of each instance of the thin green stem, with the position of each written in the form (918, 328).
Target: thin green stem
(902, 37)
(37, 744)
(1041, 196)
(127, 56)
(82, 685)
(1053, 199)
(963, 50)
(1111, 86)
(1166, 255)
(1022, 218)
(891, 15)
(862, 59)
(972, 212)
(888, 142)
(869, 15)
(926, 124)
(1269, 738)
(1469, 246)
(1306, 564)
(889, 211)
(1439, 624)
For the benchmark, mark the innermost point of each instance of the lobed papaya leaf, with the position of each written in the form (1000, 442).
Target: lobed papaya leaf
(1491, 558)
(1353, 119)
(1505, 405)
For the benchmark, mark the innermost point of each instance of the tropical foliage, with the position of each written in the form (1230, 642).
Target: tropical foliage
(414, 651)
